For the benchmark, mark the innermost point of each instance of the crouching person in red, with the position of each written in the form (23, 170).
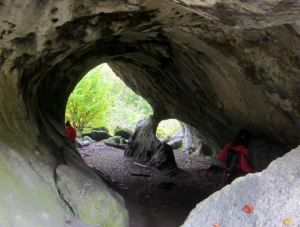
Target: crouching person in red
(71, 132)
(235, 157)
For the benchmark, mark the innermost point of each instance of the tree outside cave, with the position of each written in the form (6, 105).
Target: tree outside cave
(101, 99)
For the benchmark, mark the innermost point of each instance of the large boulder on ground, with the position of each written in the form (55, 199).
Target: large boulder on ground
(83, 143)
(123, 132)
(98, 135)
(82, 192)
(47, 192)
(163, 157)
(175, 142)
(145, 145)
(88, 139)
(103, 129)
(115, 141)
(217, 65)
(274, 194)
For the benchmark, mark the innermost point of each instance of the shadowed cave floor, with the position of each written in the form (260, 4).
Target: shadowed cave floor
(154, 198)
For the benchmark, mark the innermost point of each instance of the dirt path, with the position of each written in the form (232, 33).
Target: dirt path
(154, 198)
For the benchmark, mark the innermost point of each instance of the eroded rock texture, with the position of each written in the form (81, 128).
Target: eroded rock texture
(144, 145)
(217, 65)
(274, 194)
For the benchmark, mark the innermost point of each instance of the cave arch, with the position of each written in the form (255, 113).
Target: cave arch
(101, 99)
(221, 67)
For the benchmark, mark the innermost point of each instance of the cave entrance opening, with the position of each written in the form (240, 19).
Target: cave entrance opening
(171, 132)
(153, 198)
(102, 103)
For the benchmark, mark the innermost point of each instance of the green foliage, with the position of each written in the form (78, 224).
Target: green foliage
(102, 99)
(126, 107)
(88, 105)
(167, 128)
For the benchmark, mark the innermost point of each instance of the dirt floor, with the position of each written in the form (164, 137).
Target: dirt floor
(155, 198)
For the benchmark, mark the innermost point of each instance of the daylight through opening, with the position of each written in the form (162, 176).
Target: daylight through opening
(112, 121)
(102, 102)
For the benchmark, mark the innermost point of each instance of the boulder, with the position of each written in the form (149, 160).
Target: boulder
(144, 145)
(83, 192)
(124, 133)
(97, 135)
(175, 143)
(115, 141)
(176, 140)
(79, 144)
(103, 129)
(44, 192)
(216, 65)
(84, 143)
(88, 139)
(274, 193)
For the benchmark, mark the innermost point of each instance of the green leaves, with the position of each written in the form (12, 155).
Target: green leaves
(102, 99)
(88, 103)
(167, 128)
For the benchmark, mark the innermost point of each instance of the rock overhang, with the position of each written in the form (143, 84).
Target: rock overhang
(225, 74)
(217, 65)
(186, 58)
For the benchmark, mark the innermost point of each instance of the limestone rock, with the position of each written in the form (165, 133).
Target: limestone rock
(115, 141)
(89, 199)
(145, 145)
(274, 194)
(192, 139)
(97, 135)
(124, 133)
(88, 139)
(26, 198)
(175, 143)
(103, 129)
(83, 143)
(218, 65)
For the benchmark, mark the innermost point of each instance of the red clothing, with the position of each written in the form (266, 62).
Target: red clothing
(243, 154)
(71, 132)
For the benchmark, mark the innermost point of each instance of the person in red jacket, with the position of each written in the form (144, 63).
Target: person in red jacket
(235, 156)
(71, 132)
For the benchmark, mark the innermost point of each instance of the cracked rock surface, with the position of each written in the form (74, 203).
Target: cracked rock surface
(218, 65)
(274, 194)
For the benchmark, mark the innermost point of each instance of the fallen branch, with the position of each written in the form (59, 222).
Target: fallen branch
(140, 174)
(145, 166)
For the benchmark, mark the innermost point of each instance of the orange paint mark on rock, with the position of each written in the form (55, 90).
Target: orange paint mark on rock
(248, 208)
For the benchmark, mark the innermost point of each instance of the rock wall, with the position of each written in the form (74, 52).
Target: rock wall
(144, 144)
(38, 191)
(273, 193)
(217, 65)
(192, 139)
